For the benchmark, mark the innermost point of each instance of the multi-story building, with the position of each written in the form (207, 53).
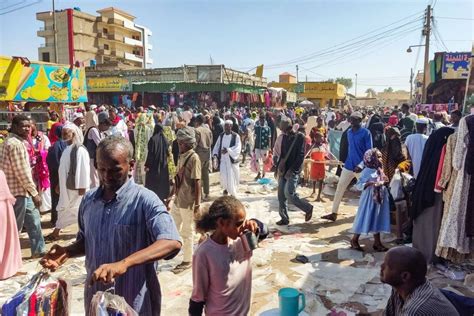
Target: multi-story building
(111, 40)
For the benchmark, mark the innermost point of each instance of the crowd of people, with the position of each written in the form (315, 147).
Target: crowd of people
(134, 180)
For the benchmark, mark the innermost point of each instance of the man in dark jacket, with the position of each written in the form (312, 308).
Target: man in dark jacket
(292, 156)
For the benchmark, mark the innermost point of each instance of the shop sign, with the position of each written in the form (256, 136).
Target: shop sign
(299, 88)
(456, 65)
(41, 82)
(108, 84)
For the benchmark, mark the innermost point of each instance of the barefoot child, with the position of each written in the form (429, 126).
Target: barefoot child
(317, 156)
(373, 214)
(222, 271)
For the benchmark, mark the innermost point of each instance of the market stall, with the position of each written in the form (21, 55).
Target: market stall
(35, 88)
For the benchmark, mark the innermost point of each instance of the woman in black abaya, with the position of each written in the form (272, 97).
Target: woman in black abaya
(156, 165)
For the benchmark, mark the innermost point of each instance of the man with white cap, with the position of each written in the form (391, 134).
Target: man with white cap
(93, 137)
(359, 140)
(74, 179)
(78, 120)
(91, 117)
(416, 143)
(227, 151)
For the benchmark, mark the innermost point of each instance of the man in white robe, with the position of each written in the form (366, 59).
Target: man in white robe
(70, 199)
(227, 150)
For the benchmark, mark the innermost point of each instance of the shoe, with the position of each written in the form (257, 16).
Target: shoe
(258, 176)
(226, 193)
(205, 198)
(38, 255)
(282, 223)
(380, 248)
(331, 217)
(183, 266)
(309, 215)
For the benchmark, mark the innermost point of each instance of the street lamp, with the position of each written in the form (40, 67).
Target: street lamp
(409, 50)
(425, 70)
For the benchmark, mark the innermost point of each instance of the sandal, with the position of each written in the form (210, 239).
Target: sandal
(356, 246)
(51, 238)
(380, 248)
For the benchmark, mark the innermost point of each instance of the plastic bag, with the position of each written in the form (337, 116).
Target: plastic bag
(268, 163)
(396, 186)
(106, 303)
(254, 163)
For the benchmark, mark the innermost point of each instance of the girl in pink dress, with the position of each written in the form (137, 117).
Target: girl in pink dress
(10, 251)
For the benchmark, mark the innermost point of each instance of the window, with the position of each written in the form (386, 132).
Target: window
(106, 46)
(105, 31)
(45, 57)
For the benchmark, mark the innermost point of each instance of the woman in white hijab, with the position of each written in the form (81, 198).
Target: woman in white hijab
(74, 179)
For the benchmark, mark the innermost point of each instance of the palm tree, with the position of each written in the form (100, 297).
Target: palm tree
(371, 93)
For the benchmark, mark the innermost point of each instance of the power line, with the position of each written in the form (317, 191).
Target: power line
(22, 7)
(342, 44)
(13, 5)
(454, 18)
(346, 45)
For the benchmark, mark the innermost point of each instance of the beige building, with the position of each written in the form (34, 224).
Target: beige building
(111, 40)
(287, 78)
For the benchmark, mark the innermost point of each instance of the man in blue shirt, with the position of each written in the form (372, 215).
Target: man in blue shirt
(124, 229)
(359, 141)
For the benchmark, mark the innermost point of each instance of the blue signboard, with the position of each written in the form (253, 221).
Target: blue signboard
(456, 65)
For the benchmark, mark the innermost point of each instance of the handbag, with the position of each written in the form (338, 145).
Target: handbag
(281, 165)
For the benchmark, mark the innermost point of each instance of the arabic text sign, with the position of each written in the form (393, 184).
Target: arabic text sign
(109, 84)
(41, 82)
(456, 65)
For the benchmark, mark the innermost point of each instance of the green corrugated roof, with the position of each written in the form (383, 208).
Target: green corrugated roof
(194, 87)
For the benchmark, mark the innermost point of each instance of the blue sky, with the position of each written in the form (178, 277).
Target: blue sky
(243, 34)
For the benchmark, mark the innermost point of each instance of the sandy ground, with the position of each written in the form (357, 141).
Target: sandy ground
(335, 277)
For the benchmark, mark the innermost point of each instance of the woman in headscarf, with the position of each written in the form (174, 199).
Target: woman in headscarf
(52, 159)
(373, 214)
(392, 153)
(143, 131)
(376, 128)
(157, 176)
(217, 129)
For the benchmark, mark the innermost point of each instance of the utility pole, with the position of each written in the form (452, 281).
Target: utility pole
(411, 84)
(426, 72)
(297, 74)
(306, 78)
(55, 35)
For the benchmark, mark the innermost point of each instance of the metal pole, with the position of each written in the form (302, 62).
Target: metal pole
(297, 74)
(55, 35)
(426, 73)
(411, 84)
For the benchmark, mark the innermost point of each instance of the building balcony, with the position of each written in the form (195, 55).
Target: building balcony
(102, 19)
(115, 37)
(134, 57)
(133, 42)
(45, 31)
(115, 22)
(47, 45)
(43, 16)
(117, 53)
(102, 51)
(149, 61)
(149, 46)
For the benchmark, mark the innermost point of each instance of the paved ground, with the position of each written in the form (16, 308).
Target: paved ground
(335, 277)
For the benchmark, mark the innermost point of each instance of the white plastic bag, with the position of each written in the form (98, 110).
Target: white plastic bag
(104, 301)
(396, 186)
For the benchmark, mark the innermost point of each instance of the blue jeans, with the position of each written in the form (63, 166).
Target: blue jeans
(27, 214)
(287, 191)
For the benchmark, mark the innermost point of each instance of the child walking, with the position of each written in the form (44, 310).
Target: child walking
(222, 271)
(373, 214)
(317, 156)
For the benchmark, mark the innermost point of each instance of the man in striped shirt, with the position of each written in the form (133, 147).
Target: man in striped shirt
(124, 229)
(404, 268)
(15, 163)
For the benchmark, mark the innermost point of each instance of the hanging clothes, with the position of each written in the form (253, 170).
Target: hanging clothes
(427, 207)
(453, 243)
